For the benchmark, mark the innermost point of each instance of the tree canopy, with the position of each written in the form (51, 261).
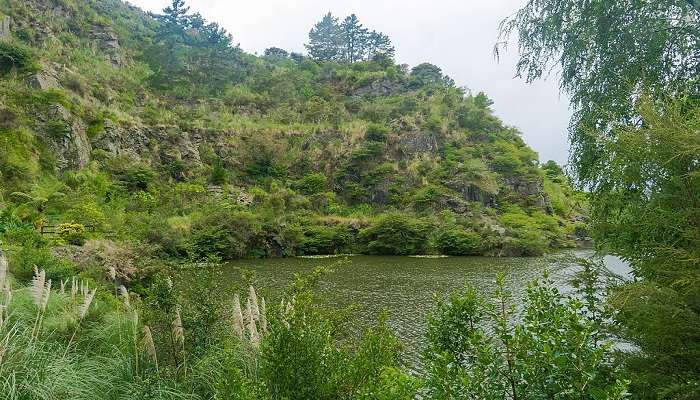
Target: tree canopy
(347, 41)
(608, 52)
(632, 69)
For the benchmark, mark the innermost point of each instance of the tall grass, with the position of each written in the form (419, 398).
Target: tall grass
(58, 345)
(88, 343)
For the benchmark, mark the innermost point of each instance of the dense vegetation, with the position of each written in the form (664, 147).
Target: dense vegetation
(147, 145)
(159, 132)
(73, 340)
(632, 69)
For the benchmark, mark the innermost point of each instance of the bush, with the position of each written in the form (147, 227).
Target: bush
(531, 235)
(133, 177)
(396, 234)
(23, 262)
(321, 239)
(376, 133)
(15, 56)
(311, 184)
(227, 234)
(72, 233)
(483, 349)
(459, 242)
(527, 243)
(302, 359)
(22, 235)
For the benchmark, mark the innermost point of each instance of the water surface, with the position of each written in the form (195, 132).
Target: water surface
(402, 287)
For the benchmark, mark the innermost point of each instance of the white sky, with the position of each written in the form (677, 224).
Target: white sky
(456, 35)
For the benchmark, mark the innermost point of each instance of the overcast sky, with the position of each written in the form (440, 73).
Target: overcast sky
(456, 35)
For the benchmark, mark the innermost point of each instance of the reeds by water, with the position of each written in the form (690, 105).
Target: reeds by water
(250, 325)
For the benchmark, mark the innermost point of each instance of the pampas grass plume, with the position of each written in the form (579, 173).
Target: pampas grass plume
(74, 289)
(125, 296)
(237, 317)
(253, 298)
(3, 269)
(150, 345)
(263, 316)
(86, 304)
(45, 298)
(38, 285)
(177, 328)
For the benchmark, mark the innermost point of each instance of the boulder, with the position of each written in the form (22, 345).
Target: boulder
(44, 80)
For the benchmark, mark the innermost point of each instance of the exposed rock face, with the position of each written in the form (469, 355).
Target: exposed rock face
(108, 42)
(160, 145)
(44, 80)
(384, 87)
(535, 189)
(472, 192)
(66, 136)
(412, 143)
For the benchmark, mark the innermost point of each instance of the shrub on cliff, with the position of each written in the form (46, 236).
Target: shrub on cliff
(323, 239)
(396, 234)
(225, 233)
(16, 57)
(459, 242)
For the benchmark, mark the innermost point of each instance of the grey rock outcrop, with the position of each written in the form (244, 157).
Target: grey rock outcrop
(412, 143)
(108, 42)
(383, 87)
(160, 145)
(45, 79)
(66, 136)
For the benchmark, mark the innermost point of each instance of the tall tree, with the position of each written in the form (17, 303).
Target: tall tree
(355, 39)
(324, 39)
(191, 53)
(632, 69)
(379, 44)
(607, 51)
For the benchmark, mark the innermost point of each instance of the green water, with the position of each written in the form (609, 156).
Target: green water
(403, 287)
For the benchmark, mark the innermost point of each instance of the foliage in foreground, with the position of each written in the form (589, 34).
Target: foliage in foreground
(72, 341)
(483, 348)
(632, 68)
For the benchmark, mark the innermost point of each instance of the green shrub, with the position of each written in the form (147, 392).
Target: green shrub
(530, 235)
(219, 174)
(527, 243)
(72, 233)
(396, 234)
(22, 235)
(376, 133)
(459, 242)
(228, 234)
(22, 264)
(321, 239)
(482, 348)
(302, 359)
(311, 184)
(15, 56)
(427, 197)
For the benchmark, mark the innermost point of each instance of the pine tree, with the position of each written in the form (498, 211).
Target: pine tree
(324, 39)
(379, 44)
(190, 53)
(355, 39)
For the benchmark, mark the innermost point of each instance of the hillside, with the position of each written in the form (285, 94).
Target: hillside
(159, 131)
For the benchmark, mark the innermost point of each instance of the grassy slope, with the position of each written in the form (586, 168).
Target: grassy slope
(296, 157)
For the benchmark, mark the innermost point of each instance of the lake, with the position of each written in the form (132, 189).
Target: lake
(403, 287)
